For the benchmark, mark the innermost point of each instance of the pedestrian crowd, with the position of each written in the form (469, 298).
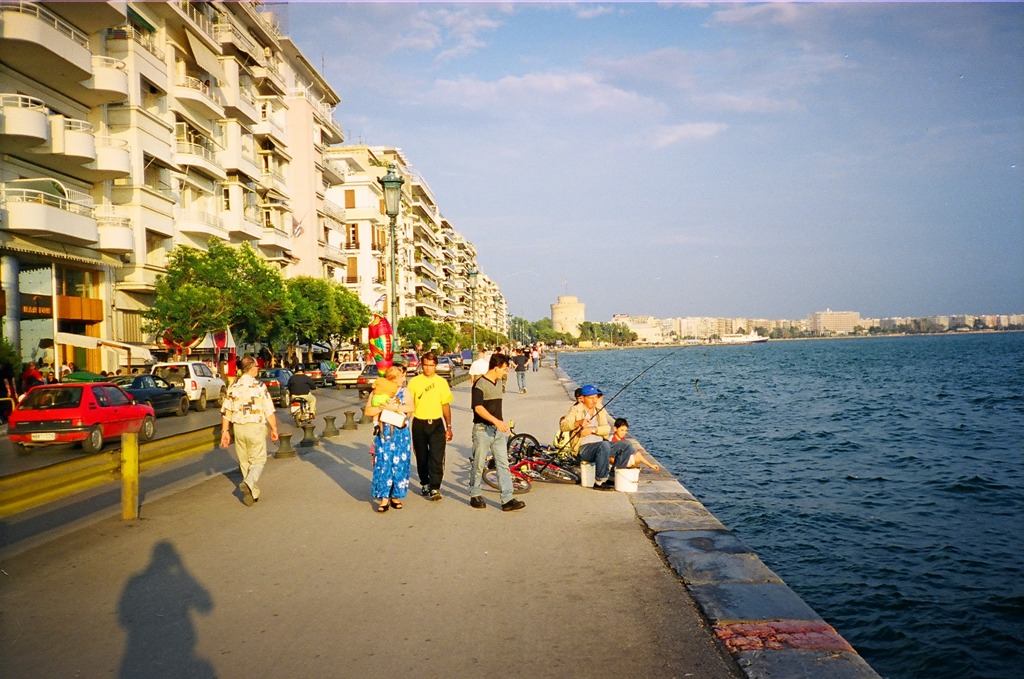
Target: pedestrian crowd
(413, 421)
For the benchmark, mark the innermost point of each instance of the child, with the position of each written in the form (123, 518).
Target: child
(620, 429)
(383, 391)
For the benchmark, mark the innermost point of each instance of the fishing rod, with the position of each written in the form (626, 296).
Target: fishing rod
(576, 432)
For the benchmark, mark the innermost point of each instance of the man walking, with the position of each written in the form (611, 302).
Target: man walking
(431, 424)
(521, 361)
(490, 435)
(249, 408)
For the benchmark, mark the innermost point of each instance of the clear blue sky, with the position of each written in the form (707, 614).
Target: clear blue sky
(763, 160)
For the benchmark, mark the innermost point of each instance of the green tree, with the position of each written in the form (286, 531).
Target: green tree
(216, 289)
(446, 337)
(314, 315)
(416, 329)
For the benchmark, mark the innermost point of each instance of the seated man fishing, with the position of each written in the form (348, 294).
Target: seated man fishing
(590, 429)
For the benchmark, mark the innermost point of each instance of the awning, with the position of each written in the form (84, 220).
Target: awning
(217, 341)
(137, 18)
(207, 59)
(86, 342)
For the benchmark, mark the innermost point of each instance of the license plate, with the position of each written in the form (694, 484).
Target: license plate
(45, 436)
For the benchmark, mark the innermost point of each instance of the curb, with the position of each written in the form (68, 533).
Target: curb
(764, 625)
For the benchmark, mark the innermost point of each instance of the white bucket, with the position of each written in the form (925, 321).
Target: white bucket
(627, 480)
(587, 475)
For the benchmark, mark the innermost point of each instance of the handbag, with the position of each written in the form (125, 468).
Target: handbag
(394, 419)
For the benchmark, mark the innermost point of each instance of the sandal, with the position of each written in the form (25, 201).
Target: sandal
(383, 508)
(396, 504)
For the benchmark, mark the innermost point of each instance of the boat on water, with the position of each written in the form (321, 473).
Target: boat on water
(752, 338)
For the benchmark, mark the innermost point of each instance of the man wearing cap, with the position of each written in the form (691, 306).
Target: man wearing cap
(590, 430)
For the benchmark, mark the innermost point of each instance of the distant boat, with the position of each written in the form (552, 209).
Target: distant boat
(752, 338)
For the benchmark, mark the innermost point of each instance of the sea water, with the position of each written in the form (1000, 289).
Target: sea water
(881, 478)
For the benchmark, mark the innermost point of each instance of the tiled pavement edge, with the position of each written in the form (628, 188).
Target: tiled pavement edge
(766, 626)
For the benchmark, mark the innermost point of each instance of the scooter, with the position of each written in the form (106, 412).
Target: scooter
(300, 411)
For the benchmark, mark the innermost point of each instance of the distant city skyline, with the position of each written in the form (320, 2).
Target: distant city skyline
(716, 158)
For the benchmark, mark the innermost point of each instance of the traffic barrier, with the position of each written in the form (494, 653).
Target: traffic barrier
(35, 487)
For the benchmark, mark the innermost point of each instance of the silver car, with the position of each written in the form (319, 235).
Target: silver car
(200, 383)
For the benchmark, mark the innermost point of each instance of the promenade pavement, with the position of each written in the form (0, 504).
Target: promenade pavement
(312, 582)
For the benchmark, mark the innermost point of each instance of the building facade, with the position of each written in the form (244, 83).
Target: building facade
(127, 129)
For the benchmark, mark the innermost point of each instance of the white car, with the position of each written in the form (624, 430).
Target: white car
(347, 373)
(200, 383)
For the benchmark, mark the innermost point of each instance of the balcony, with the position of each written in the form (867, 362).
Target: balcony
(152, 208)
(44, 47)
(113, 160)
(140, 50)
(140, 278)
(332, 253)
(243, 224)
(276, 238)
(54, 213)
(199, 223)
(116, 233)
(426, 283)
(200, 155)
(270, 75)
(427, 266)
(144, 130)
(24, 122)
(109, 82)
(198, 96)
(71, 146)
(334, 172)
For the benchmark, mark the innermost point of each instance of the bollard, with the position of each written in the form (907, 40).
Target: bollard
(329, 428)
(350, 420)
(284, 446)
(308, 436)
(365, 419)
(129, 476)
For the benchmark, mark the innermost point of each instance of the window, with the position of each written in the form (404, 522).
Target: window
(226, 193)
(350, 198)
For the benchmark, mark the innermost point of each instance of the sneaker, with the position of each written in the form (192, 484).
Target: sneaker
(424, 491)
(512, 505)
(435, 495)
(477, 502)
(607, 485)
(247, 497)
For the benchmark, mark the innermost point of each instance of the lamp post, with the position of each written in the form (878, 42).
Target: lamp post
(471, 275)
(392, 184)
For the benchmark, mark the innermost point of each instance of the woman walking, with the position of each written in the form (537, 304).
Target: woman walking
(392, 447)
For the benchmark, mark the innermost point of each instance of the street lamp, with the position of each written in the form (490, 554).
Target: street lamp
(472, 274)
(392, 184)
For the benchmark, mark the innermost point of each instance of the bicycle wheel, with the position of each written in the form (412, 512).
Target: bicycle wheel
(519, 485)
(521, 445)
(559, 475)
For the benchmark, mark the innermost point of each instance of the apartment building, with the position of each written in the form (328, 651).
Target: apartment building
(127, 129)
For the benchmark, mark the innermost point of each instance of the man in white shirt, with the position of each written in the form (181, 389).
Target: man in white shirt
(479, 366)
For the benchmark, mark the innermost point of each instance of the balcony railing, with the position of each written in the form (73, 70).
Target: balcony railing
(196, 15)
(197, 150)
(22, 101)
(77, 202)
(47, 17)
(144, 39)
(198, 85)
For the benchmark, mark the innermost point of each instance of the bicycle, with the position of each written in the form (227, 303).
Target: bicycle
(530, 461)
(299, 408)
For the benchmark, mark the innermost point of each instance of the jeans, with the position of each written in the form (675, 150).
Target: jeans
(521, 379)
(536, 365)
(487, 439)
(600, 452)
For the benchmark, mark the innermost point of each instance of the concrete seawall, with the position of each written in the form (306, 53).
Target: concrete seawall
(765, 625)
(312, 582)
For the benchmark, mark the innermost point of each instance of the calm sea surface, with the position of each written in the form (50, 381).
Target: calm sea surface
(882, 479)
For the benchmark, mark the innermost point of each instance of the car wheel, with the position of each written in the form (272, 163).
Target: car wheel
(148, 428)
(220, 397)
(94, 442)
(182, 407)
(201, 403)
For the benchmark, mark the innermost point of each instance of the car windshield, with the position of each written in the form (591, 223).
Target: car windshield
(351, 366)
(123, 380)
(60, 397)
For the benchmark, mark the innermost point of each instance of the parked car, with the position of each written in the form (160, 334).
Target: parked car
(321, 372)
(366, 379)
(156, 392)
(412, 362)
(195, 377)
(85, 412)
(445, 368)
(276, 380)
(348, 373)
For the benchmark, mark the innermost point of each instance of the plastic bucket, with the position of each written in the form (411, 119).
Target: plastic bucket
(586, 475)
(627, 480)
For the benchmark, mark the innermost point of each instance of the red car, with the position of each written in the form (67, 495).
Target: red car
(88, 412)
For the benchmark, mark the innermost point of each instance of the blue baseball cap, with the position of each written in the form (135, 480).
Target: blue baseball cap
(589, 390)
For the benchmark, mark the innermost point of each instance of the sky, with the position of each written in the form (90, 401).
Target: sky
(713, 159)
